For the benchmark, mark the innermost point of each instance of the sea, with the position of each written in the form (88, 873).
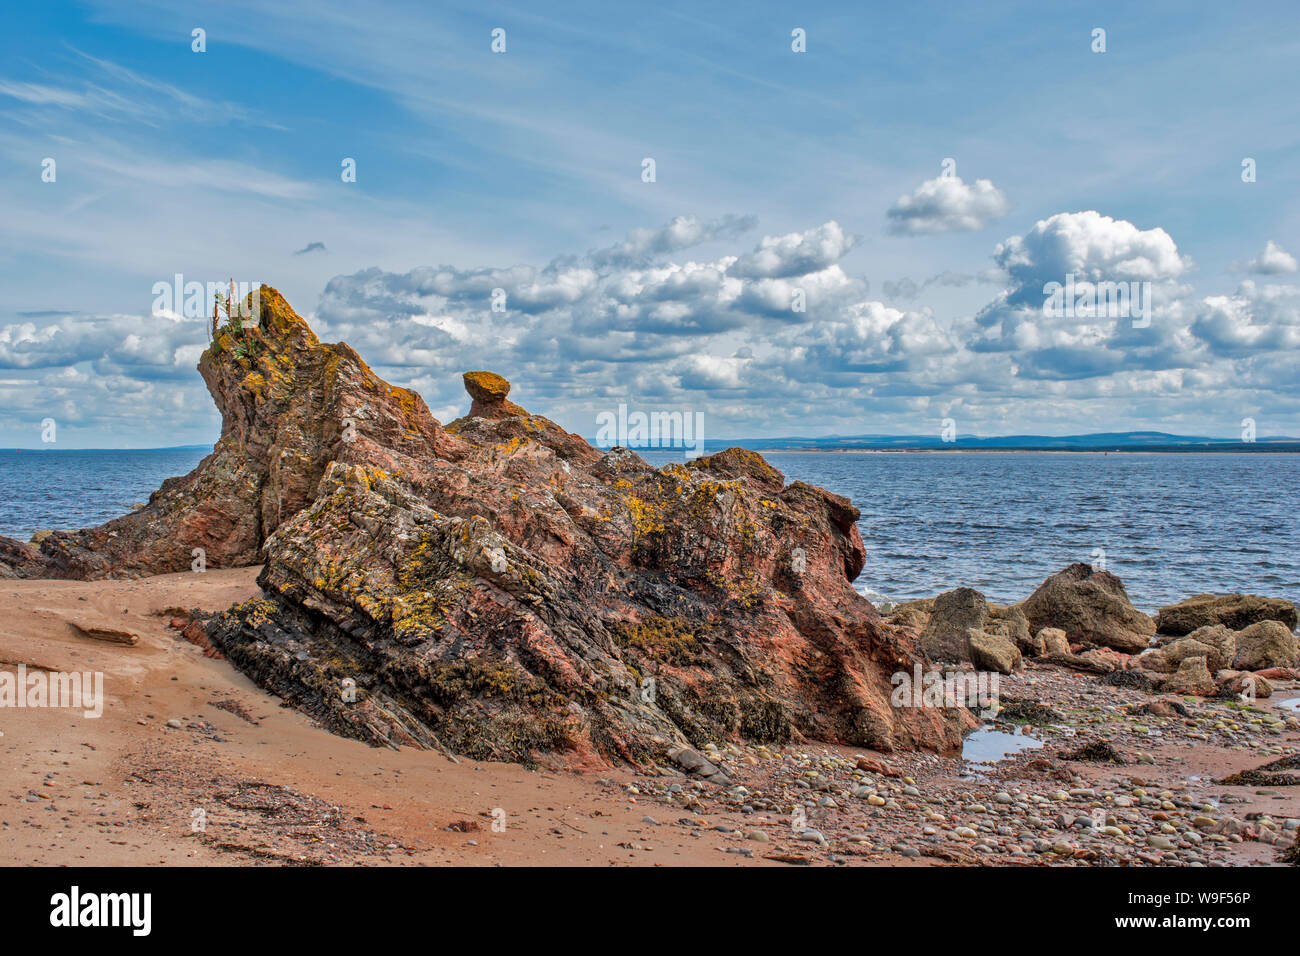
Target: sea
(1170, 525)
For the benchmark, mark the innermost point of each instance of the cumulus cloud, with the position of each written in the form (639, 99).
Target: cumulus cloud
(1274, 260)
(676, 330)
(946, 204)
(644, 324)
(798, 253)
(1252, 320)
(148, 346)
(1089, 257)
(311, 247)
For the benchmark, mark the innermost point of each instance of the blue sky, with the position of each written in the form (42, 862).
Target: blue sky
(818, 171)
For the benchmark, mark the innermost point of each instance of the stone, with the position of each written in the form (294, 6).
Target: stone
(1234, 611)
(1221, 640)
(106, 633)
(1243, 686)
(488, 391)
(955, 613)
(1092, 607)
(1187, 647)
(912, 614)
(1265, 644)
(1010, 622)
(1053, 641)
(1191, 678)
(993, 652)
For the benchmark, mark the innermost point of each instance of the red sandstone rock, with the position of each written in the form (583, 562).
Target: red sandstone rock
(499, 587)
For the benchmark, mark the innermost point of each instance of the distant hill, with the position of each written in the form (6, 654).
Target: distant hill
(58, 448)
(1097, 441)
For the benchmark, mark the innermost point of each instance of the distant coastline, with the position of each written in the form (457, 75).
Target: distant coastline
(44, 449)
(901, 445)
(1288, 448)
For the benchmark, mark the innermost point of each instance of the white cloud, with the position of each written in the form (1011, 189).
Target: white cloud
(683, 232)
(946, 204)
(1274, 260)
(648, 328)
(1090, 246)
(798, 253)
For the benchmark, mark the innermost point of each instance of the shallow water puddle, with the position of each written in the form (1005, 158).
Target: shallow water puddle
(1293, 704)
(987, 746)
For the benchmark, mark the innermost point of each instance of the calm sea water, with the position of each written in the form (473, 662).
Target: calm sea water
(1169, 525)
(66, 490)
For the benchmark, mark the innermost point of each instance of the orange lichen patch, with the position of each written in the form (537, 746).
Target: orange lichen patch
(741, 462)
(253, 382)
(647, 517)
(486, 386)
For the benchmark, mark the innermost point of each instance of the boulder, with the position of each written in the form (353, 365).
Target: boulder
(1010, 621)
(497, 587)
(955, 613)
(488, 392)
(1266, 644)
(1243, 685)
(1192, 678)
(1185, 647)
(1233, 611)
(1163, 707)
(913, 614)
(993, 652)
(1053, 640)
(1104, 658)
(1221, 640)
(1155, 660)
(1092, 607)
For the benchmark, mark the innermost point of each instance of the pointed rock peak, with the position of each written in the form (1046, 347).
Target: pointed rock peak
(277, 317)
(488, 391)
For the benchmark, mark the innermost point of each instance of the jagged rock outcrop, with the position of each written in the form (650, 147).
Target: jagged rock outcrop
(502, 589)
(1092, 607)
(290, 405)
(1234, 611)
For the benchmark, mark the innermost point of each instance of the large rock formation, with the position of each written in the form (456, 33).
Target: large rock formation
(290, 405)
(499, 587)
(1092, 607)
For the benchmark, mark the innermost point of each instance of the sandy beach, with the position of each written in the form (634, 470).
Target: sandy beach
(193, 764)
